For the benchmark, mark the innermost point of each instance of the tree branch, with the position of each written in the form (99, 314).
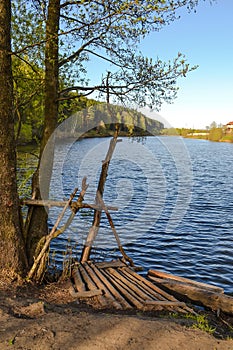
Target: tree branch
(74, 96)
(76, 53)
(29, 64)
(74, 19)
(67, 3)
(103, 57)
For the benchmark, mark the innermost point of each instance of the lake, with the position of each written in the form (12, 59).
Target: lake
(174, 199)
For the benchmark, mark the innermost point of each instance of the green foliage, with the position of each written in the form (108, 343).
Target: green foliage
(228, 138)
(28, 97)
(215, 134)
(202, 323)
(25, 133)
(27, 160)
(71, 106)
(171, 132)
(100, 119)
(89, 30)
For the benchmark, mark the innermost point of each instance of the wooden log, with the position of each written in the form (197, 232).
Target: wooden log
(125, 290)
(199, 296)
(139, 281)
(111, 288)
(120, 247)
(160, 274)
(80, 286)
(86, 278)
(109, 298)
(51, 203)
(91, 285)
(86, 294)
(100, 190)
(165, 303)
(160, 291)
(131, 285)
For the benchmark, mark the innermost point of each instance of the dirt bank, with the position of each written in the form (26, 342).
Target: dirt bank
(48, 318)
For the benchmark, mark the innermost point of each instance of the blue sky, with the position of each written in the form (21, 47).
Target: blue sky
(206, 39)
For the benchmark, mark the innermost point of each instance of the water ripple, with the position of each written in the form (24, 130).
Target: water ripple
(200, 247)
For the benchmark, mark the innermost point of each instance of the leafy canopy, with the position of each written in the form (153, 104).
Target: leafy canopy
(109, 30)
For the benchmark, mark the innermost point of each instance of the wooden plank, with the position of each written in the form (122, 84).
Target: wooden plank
(160, 274)
(43, 203)
(109, 298)
(86, 294)
(80, 286)
(140, 282)
(125, 290)
(88, 281)
(107, 264)
(132, 287)
(91, 285)
(160, 291)
(152, 286)
(119, 298)
(200, 296)
(154, 294)
(165, 303)
(52, 203)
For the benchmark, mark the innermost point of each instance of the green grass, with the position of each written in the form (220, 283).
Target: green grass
(201, 322)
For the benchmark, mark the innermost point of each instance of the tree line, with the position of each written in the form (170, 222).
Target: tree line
(213, 132)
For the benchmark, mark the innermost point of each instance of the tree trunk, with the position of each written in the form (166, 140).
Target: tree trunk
(12, 254)
(37, 216)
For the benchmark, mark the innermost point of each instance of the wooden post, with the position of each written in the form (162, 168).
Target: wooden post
(100, 190)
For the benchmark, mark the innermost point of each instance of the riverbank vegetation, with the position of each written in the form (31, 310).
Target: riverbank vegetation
(214, 132)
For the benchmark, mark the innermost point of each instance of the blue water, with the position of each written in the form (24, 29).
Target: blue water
(174, 199)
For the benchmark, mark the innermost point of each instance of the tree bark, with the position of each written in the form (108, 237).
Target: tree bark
(199, 296)
(12, 253)
(36, 226)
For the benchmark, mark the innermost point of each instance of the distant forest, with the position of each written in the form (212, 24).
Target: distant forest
(90, 118)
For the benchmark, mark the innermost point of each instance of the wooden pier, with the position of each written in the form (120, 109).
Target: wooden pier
(116, 285)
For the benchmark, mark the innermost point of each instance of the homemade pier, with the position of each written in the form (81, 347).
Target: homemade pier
(115, 285)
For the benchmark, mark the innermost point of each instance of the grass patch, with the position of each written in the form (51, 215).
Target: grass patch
(201, 322)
